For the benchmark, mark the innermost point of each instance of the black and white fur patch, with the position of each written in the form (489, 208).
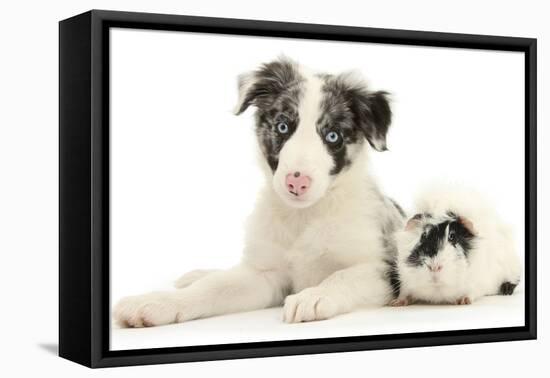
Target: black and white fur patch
(507, 288)
(435, 235)
(275, 90)
(347, 108)
(355, 113)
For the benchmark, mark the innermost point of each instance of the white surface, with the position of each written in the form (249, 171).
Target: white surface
(28, 194)
(183, 167)
(267, 325)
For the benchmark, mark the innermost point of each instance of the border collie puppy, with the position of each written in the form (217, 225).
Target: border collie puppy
(321, 234)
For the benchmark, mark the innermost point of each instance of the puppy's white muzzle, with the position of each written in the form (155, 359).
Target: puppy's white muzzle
(303, 174)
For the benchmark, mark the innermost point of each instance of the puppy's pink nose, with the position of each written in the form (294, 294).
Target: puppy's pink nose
(297, 183)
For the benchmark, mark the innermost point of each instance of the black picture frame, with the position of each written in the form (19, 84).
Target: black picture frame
(84, 311)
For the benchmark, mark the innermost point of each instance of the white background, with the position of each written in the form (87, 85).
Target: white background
(28, 204)
(183, 167)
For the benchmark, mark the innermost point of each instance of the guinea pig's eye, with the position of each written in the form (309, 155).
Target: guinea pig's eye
(282, 127)
(424, 235)
(452, 236)
(332, 137)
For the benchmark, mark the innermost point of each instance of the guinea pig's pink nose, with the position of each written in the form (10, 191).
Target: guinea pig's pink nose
(297, 183)
(435, 267)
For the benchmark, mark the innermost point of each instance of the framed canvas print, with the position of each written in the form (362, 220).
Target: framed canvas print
(236, 188)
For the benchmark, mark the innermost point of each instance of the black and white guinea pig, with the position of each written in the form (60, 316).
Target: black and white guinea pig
(454, 250)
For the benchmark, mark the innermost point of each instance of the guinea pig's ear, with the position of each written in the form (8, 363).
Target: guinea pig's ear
(468, 225)
(260, 88)
(371, 109)
(413, 222)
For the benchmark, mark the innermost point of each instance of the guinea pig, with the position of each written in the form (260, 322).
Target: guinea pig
(454, 250)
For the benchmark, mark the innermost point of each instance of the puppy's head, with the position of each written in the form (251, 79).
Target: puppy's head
(311, 127)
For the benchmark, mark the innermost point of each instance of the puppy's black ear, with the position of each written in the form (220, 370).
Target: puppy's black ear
(246, 82)
(374, 117)
(371, 110)
(260, 88)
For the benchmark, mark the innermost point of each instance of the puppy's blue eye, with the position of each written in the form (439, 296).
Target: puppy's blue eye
(332, 137)
(282, 127)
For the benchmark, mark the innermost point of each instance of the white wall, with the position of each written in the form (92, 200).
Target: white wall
(28, 204)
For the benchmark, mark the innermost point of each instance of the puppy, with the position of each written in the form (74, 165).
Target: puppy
(321, 234)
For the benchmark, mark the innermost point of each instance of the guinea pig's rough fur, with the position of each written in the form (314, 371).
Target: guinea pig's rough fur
(455, 249)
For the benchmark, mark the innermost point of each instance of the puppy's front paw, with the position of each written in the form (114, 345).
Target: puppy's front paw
(308, 305)
(146, 310)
